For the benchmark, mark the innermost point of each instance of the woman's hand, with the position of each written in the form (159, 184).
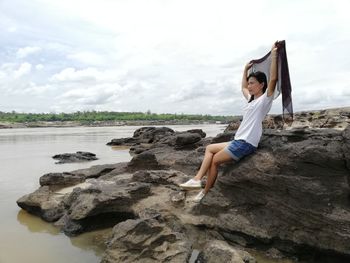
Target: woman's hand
(248, 65)
(274, 49)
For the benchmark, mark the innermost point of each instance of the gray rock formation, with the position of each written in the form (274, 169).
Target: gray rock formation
(74, 157)
(338, 118)
(289, 198)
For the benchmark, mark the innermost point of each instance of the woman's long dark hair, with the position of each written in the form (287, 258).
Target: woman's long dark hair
(261, 78)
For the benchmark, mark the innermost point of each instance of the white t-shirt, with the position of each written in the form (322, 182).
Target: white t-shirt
(254, 113)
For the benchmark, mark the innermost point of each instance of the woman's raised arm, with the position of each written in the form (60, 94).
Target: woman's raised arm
(245, 90)
(273, 71)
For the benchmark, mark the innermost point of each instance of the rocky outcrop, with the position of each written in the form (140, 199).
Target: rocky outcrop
(74, 157)
(338, 118)
(290, 198)
(148, 239)
(153, 137)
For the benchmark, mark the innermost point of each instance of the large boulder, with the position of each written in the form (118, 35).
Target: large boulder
(291, 196)
(293, 193)
(143, 135)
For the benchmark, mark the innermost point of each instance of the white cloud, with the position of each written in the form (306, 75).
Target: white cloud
(12, 29)
(23, 69)
(26, 51)
(39, 66)
(88, 58)
(169, 56)
(34, 89)
(87, 75)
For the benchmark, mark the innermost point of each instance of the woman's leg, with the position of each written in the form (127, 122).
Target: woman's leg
(210, 150)
(219, 158)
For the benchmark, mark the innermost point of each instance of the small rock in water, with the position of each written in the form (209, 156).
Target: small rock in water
(75, 157)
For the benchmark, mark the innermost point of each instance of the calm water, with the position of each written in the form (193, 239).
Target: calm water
(25, 155)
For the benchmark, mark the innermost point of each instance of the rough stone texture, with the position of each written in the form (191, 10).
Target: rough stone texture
(146, 138)
(293, 191)
(144, 135)
(144, 160)
(101, 205)
(147, 240)
(338, 118)
(61, 179)
(74, 157)
(42, 203)
(291, 196)
(220, 251)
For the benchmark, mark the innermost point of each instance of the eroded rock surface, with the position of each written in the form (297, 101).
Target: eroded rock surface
(291, 196)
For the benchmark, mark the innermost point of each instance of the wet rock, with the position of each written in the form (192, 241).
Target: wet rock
(43, 204)
(74, 157)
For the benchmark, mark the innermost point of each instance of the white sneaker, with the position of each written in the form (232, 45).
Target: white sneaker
(199, 196)
(191, 184)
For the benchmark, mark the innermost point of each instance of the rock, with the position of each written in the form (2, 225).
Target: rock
(144, 160)
(198, 131)
(177, 197)
(61, 179)
(346, 148)
(185, 139)
(147, 138)
(43, 204)
(122, 141)
(160, 177)
(74, 157)
(146, 240)
(101, 205)
(294, 189)
(220, 251)
(274, 253)
(104, 170)
(224, 137)
(331, 118)
(291, 197)
(143, 135)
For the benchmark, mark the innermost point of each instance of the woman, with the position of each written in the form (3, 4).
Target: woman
(259, 96)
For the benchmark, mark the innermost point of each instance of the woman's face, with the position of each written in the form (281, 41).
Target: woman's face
(254, 86)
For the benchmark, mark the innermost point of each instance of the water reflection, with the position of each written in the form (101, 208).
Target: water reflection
(35, 224)
(25, 155)
(95, 241)
(92, 241)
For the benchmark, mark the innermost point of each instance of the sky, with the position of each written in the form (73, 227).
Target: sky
(167, 56)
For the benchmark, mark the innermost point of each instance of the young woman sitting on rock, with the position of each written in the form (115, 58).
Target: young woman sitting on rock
(249, 132)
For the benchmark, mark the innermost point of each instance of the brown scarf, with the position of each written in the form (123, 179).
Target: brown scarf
(283, 83)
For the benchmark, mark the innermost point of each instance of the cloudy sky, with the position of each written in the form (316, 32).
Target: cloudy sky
(166, 56)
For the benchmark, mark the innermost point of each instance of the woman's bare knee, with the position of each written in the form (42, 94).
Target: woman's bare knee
(215, 147)
(221, 157)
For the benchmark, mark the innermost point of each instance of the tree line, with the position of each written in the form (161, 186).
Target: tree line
(90, 116)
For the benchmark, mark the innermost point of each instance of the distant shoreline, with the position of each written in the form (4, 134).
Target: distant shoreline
(326, 118)
(71, 124)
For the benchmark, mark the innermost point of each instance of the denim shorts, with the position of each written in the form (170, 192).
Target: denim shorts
(237, 149)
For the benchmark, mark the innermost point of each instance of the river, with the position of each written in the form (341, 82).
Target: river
(25, 155)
